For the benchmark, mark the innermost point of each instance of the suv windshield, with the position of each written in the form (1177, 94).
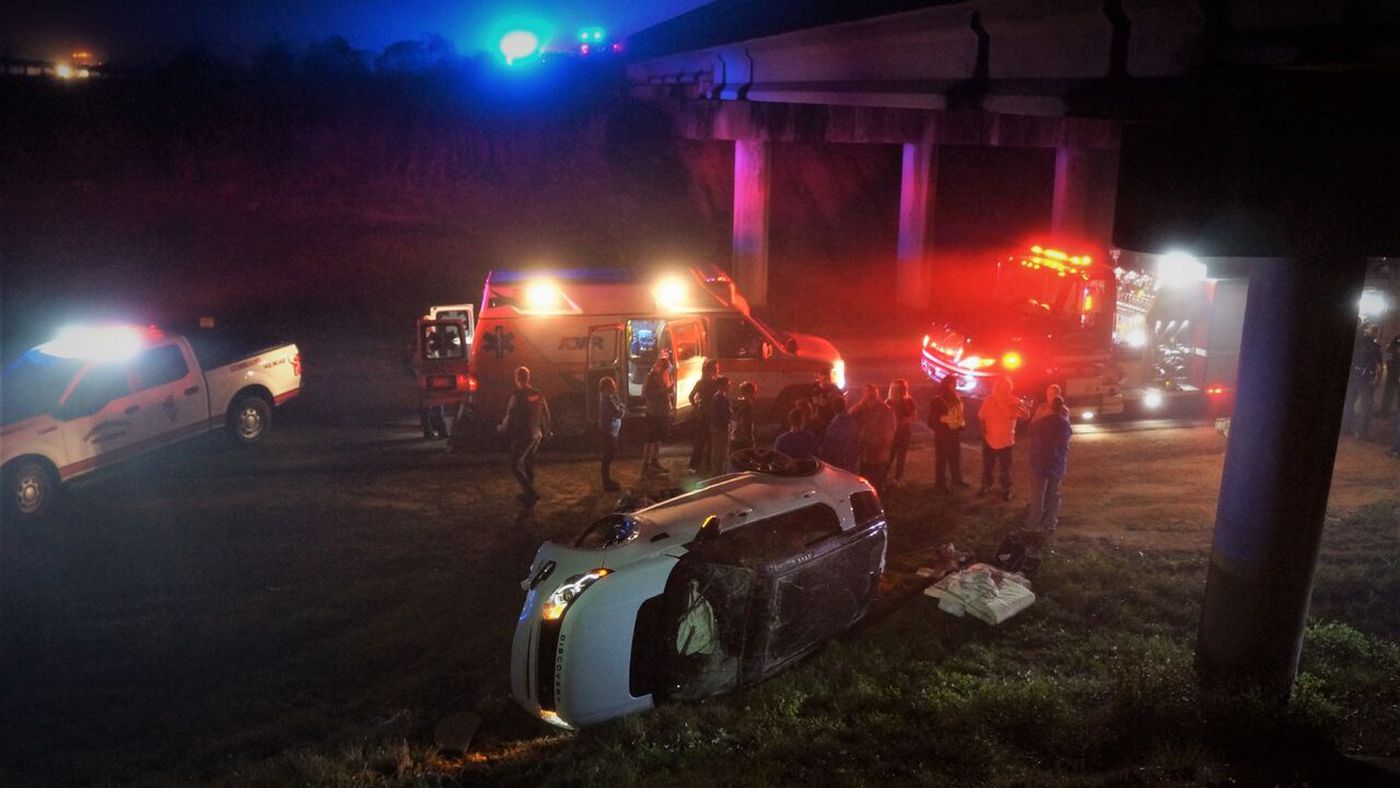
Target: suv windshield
(32, 384)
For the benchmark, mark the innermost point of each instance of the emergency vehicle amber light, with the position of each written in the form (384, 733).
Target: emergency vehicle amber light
(1011, 360)
(670, 293)
(542, 295)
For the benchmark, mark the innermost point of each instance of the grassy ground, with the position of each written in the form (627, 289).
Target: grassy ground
(307, 614)
(1093, 685)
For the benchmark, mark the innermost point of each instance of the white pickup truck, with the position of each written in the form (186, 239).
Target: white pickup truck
(94, 397)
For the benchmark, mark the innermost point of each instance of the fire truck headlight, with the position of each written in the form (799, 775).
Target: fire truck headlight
(1087, 415)
(542, 295)
(838, 373)
(670, 293)
(1373, 305)
(1152, 400)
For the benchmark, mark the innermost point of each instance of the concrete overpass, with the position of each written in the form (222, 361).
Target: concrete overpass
(1261, 135)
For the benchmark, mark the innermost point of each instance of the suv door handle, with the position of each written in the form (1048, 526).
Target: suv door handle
(191, 391)
(131, 409)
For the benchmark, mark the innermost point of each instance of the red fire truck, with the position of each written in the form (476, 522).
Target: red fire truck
(1128, 333)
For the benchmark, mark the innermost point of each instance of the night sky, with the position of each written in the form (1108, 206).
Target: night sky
(141, 30)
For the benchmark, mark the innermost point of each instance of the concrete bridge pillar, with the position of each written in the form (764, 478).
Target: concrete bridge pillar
(917, 185)
(1070, 210)
(752, 170)
(1299, 325)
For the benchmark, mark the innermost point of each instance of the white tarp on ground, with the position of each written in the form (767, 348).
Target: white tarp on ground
(983, 592)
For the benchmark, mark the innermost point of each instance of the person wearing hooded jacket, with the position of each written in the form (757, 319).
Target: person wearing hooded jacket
(877, 427)
(1049, 439)
(999, 414)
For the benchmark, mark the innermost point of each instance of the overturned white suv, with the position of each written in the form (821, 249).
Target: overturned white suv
(700, 594)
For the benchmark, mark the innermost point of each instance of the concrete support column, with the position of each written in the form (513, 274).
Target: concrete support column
(1069, 213)
(752, 168)
(917, 184)
(1299, 324)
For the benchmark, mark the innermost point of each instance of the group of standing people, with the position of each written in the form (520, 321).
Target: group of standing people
(870, 438)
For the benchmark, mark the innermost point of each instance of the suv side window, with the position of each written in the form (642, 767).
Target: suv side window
(780, 535)
(98, 387)
(161, 365)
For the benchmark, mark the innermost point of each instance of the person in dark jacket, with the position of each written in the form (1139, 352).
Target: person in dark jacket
(699, 398)
(1049, 454)
(610, 414)
(840, 445)
(718, 414)
(946, 419)
(905, 414)
(741, 429)
(797, 442)
(1392, 376)
(526, 423)
(656, 395)
(1361, 384)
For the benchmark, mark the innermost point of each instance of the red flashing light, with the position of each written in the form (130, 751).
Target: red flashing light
(1217, 389)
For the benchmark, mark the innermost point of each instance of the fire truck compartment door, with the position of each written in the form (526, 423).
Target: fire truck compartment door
(606, 356)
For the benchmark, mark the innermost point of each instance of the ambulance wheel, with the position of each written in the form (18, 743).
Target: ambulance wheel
(31, 491)
(249, 419)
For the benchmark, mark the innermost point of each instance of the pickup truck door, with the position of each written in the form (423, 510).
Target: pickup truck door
(685, 340)
(170, 395)
(96, 414)
(605, 358)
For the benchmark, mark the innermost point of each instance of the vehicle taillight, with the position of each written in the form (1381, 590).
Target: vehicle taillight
(1217, 389)
(466, 383)
(1011, 360)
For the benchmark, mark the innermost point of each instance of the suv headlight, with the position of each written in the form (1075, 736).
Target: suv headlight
(568, 591)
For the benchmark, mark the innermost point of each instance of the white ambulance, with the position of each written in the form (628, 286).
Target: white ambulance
(573, 327)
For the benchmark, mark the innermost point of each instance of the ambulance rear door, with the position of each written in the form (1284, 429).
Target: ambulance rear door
(605, 358)
(441, 362)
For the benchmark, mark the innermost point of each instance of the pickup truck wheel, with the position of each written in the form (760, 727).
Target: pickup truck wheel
(31, 490)
(249, 419)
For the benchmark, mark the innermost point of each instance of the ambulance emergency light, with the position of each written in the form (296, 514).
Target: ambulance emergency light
(671, 293)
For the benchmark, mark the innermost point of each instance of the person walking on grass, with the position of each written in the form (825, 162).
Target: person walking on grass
(1361, 384)
(717, 417)
(526, 423)
(699, 399)
(1049, 437)
(840, 445)
(877, 428)
(741, 429)
(610, 414)
(656, 397)
(905, 414)
(999, 414)
(946, 419)
(797, 442)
